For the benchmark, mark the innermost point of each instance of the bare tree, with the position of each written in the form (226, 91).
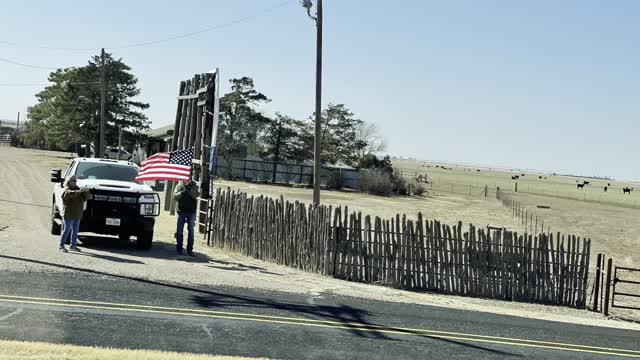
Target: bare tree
(369, 134)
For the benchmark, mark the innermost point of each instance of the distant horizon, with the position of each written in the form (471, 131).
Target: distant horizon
(510, 168)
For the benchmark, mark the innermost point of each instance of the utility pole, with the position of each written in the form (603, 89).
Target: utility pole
(318, 133)
(102, 89)
(119, 142)
(18, 130)
(317, 146)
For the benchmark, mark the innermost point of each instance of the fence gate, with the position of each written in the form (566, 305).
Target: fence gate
(193, 129)
(631, 277)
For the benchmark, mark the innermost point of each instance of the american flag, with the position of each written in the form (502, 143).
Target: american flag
(174, 165)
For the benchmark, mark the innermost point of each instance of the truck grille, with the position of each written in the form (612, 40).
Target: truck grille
(112, 204)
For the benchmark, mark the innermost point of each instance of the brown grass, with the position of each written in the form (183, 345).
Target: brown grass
(22, 350)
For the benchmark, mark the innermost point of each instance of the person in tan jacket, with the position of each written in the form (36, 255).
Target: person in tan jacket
(73, 199)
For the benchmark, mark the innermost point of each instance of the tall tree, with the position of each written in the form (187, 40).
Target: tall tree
(69, 108)
(340, 143)
(240, 123)
(282, 140)
(368, 133)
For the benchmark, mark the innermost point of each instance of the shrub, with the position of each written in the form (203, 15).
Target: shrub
(418, 189)
(336, 180)
(400, 185)
(370, 161)
(376, 182)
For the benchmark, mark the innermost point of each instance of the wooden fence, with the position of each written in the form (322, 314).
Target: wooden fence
(415, 254)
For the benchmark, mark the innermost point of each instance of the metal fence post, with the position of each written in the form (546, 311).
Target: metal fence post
(607, 289)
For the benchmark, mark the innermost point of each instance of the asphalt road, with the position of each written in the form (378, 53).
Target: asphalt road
(90, 308)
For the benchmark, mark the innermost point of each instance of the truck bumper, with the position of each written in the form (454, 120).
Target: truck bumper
(133, 226)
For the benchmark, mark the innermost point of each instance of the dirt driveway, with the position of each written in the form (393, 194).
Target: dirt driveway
(26, 243)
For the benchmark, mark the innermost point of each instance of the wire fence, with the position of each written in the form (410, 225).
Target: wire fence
(529, 221)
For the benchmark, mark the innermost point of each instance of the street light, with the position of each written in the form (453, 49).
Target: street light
(307, 4)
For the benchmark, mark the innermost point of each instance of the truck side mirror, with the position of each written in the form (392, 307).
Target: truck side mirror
(56, 176)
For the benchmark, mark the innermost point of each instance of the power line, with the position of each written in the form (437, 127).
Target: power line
(46, 84)
(27, 65)
(44, 47)
(153, 42)
(215, 27)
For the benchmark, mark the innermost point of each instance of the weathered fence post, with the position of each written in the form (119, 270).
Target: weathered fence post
(596, 285)
(607, 289)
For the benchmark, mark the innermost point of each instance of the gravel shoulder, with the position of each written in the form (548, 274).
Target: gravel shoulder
(25, 202)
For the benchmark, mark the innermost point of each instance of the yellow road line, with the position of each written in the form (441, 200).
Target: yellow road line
(324, 324)
(422, 331)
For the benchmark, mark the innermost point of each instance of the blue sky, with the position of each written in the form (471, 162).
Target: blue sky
(551, 85)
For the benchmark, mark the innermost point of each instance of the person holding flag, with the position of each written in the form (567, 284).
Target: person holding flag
(176, 166)
(186, 194)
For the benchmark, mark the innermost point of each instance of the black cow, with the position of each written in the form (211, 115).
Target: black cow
(627, 190)
(605, 188)
(580, 186)
(587, 182)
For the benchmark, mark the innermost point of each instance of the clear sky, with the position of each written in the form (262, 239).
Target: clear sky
(551, 85)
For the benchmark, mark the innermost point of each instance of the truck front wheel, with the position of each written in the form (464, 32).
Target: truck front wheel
(144, 240)
(56, 229)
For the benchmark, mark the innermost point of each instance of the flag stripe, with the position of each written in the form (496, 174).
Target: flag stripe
(155, 161)
(164, 171)
(160, 173)
(163, 177)
(165, 166)
(158, 156)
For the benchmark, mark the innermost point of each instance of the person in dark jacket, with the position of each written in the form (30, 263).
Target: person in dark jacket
(186, 194)
(73, 199)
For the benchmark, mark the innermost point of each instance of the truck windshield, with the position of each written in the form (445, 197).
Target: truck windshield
(87, 170)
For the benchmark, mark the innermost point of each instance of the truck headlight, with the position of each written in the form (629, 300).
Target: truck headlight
(148, 209)
(149, 204)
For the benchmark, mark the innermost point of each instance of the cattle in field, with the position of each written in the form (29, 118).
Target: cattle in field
(515, 177)
(580, 186)
(605, 188)
(587, 182)
(421, 179)
(627, 190)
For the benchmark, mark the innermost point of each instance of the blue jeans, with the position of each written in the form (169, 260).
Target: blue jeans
(70, 228)
(189, 219)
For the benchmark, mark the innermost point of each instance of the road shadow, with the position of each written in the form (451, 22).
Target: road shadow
(159, 250)
(107, 257)
(236, 266)
(352, 319)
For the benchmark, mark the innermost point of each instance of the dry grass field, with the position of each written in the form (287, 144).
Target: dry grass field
(610, 219)
(459, 179)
